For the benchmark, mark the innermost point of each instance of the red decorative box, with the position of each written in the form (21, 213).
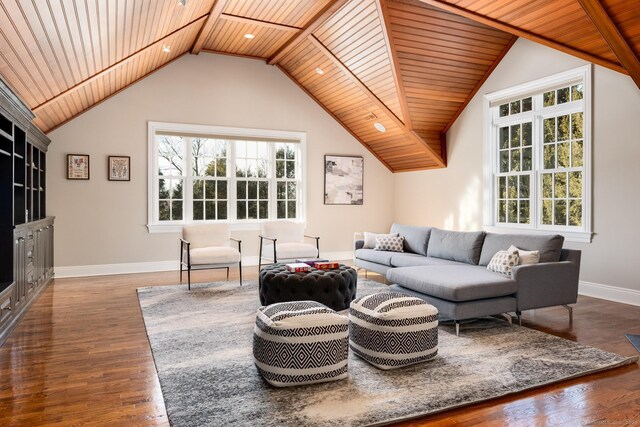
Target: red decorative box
(327, 265)
(298, 267)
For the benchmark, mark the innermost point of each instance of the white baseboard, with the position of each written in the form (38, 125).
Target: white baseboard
(150, 267)
(610, 293)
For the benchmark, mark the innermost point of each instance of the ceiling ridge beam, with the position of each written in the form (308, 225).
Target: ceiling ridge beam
(316, 21)
(395, 65)
(286, 73)
(479, 84)
(259, 22)
(214, 14)
(373, 98)
(111, 67)
(457, 10)
(611, 34)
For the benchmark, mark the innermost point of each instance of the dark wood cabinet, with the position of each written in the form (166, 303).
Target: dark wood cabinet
(26, 233)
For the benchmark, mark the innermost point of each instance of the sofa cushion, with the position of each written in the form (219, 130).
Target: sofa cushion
(416, 239)
(379, 257)
(413, 260)
(458, 246)
(550, 246)
(453, 282)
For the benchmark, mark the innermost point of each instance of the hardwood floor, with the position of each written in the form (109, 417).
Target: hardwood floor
(81, 357)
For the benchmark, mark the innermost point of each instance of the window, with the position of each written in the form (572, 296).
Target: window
(538, 155)
(208, 174)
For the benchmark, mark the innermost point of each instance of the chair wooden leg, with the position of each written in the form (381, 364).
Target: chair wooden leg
(227, 274)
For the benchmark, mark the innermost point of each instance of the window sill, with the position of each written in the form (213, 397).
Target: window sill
(569, 236)
(234, 226)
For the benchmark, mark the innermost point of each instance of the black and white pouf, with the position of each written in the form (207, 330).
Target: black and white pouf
(300, 342)
(391, 330)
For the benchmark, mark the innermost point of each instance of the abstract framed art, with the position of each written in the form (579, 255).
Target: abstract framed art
(343, 180)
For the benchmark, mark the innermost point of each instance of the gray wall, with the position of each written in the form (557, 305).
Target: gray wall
(102, 222)
(453, 197)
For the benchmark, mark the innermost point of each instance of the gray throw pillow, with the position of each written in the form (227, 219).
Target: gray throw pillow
(387, 242)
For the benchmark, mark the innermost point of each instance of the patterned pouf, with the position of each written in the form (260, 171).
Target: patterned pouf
(300, 342)
(391, 330)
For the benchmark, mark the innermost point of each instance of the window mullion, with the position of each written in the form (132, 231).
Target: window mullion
(187, 190)
(232, 213)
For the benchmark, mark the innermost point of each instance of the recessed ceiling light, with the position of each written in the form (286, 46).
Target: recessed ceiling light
(380, 127)
(166, 48)
(319, 71)
(249, 36)
(182, 2)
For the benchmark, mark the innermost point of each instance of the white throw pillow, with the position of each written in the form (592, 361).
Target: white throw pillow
(389, 243)
(526, 257)
(503, 262)
(370, 239)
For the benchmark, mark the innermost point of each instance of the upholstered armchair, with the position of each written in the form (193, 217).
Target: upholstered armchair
(207, 246)
(284, 240)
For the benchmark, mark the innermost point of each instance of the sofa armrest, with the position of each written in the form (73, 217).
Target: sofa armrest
(358, 244)
(547, 284)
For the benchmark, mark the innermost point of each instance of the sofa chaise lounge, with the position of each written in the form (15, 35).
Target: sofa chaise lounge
(448, 269)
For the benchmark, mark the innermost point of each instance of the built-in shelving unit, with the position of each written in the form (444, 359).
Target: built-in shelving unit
(26, 233)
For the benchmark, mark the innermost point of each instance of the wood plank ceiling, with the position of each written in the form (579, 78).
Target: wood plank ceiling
(408, 65)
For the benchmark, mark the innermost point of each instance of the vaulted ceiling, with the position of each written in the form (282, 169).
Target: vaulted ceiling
(408, 65)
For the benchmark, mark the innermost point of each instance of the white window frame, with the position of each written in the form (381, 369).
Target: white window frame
(491, 167)
(299, 138)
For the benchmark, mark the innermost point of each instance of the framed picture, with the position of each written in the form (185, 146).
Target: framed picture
(119, 168)
(78, 166)
(343, 180)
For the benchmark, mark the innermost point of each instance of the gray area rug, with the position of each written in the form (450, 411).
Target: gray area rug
(202, 346)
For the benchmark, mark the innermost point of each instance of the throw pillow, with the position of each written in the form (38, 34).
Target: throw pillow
(389, 243)
(526, 257)
(370, 239)
(503, 262)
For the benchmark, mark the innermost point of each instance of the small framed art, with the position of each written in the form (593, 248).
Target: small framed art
(78, 166)
(119, 168)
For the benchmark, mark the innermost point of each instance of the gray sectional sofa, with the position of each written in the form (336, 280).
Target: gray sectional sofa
(448, 269)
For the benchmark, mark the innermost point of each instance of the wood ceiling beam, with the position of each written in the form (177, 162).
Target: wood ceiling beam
(479, 84)
(457, 10)
(266, 24)
(395, 66)
(412, 135)
(216, 11)
(318, 19)
(335, 118)
(123, 61)
(616, 41)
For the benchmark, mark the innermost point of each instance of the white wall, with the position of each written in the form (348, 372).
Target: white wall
(453, 197)
(102, 222)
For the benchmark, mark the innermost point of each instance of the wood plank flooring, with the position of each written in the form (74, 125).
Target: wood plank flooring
(81, 357)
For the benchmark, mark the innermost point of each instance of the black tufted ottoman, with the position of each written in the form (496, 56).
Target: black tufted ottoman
(333, 288)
